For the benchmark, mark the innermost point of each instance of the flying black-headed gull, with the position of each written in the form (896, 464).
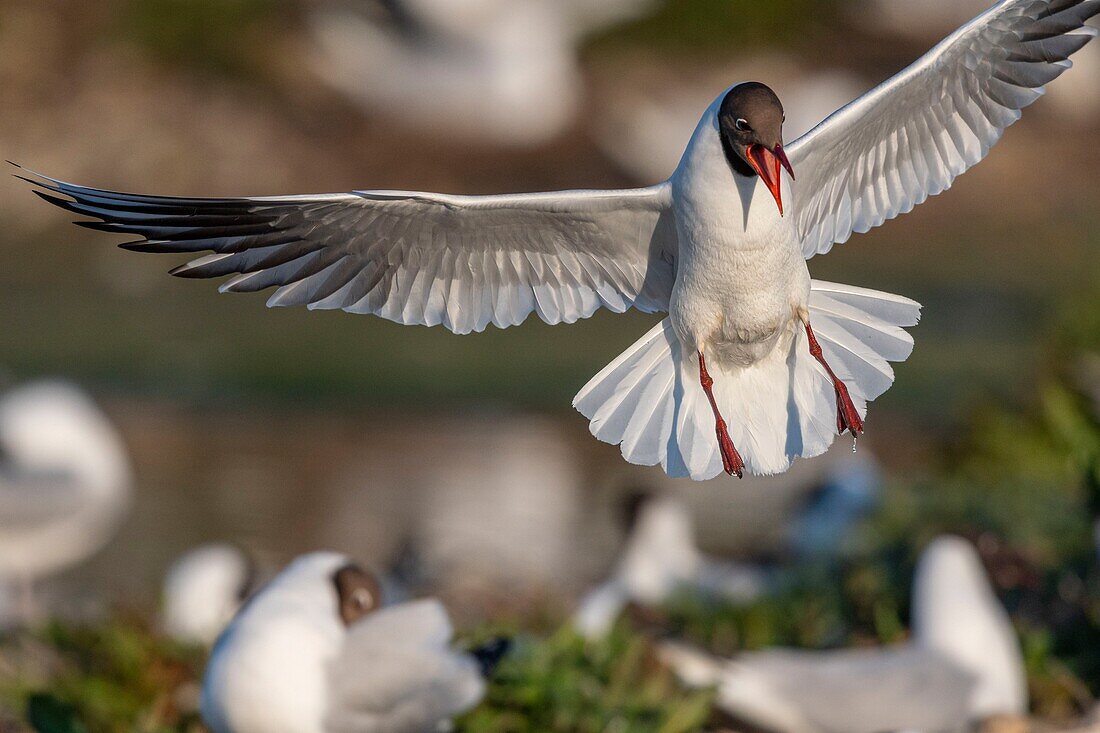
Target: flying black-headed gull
(315, 651)
(503, 71)
(203, 590)
(756, 364)
(962, 666)
(65, 484)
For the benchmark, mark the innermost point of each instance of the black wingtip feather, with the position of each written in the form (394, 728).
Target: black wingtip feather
(138, 246)
(100, 226)
(58, 202)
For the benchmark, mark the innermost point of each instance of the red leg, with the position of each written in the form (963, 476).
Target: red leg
(731, 459)
(847, 418)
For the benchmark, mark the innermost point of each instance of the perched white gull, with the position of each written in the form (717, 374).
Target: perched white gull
(65, 484)
(756, 364)
(962, 666)
(660, 558)
(203, 590)
(956, 614)
(502, 71)
(314, 651)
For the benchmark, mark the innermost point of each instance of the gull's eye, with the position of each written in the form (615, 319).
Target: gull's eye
(742, 124)
(358, 593)
(362, 598)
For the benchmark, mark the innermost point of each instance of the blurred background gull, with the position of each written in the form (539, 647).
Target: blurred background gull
(660, 555)
(203, 589)
(450, 462)
(64, 489)
(963, 666)
(496, 71)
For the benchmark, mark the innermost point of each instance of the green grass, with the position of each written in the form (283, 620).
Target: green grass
(564, 684)
(122, 677)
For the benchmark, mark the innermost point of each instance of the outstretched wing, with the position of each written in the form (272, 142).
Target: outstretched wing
(414, 258)
(909, 138)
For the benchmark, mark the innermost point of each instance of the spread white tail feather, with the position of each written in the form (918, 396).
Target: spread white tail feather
(783, 407)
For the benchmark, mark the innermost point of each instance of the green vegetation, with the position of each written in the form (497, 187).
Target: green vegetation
(121, 677)
(563, 684)
(117, 677)
(224, 37)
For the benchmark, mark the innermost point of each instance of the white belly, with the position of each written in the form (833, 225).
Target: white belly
(741, 278)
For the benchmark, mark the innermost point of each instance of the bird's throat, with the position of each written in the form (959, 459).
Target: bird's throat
(736, 162)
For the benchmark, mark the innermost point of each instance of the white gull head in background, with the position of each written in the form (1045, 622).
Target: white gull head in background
(203, 590)
(956, 613)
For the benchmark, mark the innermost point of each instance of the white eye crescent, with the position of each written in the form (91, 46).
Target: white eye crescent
(742, 124)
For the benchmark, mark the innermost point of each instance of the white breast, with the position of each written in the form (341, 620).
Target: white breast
(741, 274)
(268, 670)
(270, 680)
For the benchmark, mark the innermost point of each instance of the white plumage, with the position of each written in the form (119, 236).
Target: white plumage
(707, 245)
(65, 482)
(962, 666)
(286, 664)
(780, 408)
(956, 613)
(202, 591)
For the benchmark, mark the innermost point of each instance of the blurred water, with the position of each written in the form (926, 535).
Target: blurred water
(501, 510)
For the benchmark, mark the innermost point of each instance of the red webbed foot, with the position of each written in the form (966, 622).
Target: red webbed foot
(731, 459)
(847, 417)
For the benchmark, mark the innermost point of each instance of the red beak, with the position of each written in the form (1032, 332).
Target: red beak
(767, 164)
